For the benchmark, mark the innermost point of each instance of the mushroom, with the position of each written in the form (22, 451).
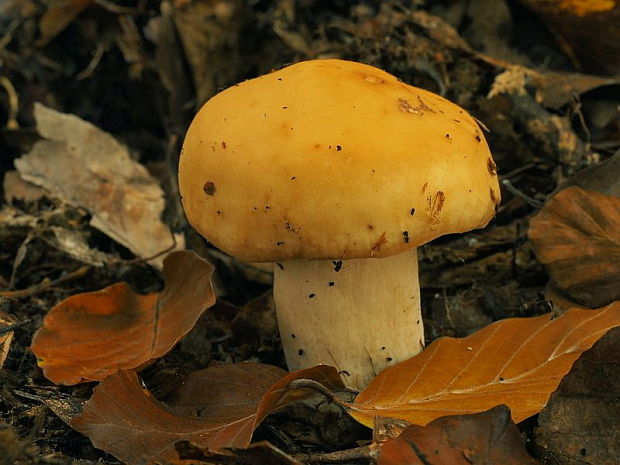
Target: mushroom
(337, 171)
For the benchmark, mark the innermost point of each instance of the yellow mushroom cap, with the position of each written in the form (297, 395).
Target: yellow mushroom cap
(332, 159)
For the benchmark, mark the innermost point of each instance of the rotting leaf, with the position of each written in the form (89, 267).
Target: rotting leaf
(577, 236)
(87, 167)
(581, 423)
(518, 362)
(89, 336)
(487, 437)
(125, 420)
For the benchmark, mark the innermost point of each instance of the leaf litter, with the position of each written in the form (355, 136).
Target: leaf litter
(423, 48)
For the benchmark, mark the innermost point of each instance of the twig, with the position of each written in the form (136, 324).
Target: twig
(357, 453)
(13, 99)
(46, 284)
(529, 200)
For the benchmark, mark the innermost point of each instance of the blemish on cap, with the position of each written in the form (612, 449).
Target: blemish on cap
(280, 243)
(311, 296)
(492, 167)
(338, 148)
(209, 188)
(300, 351)
(494, 199)
(224, 145)
(370, 227)
(388, 359)
(331, 284)
(477, 136)
(412, 211)
(337, 265)
(373, 79)
(293, 336)
(406, 237)
(281, 266)
(378, 244)
(436, 204)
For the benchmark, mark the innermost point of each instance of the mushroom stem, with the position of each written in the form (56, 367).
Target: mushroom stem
(359, 315)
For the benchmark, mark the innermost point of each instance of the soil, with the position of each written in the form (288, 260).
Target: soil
(139, 69)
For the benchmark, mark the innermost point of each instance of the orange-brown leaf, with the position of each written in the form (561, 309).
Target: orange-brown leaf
(89, 336)
(577, 236)
(123, 418)
(488, 437)
(518, 362)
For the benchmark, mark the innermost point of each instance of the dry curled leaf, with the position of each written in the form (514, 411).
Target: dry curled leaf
(125, 420)
(484, 438)
(92, 335)
(518, 362)
(577, 236)
(84, 166)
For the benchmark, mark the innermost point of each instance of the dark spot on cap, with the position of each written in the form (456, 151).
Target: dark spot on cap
(337, 265)
(477, 136)
(300, 351)
(494, 199)
(293, 178)
(491, 166)
(209, 188)
(223, 145)
(406, 237)
(284, 108)
(338, 148)
(389, 359)
(331, 284)
(219, 212)
(293, 336)
(280, 243)
(279, 79)
(280, 265)
(456, 120)
(412, 211)
(383, 348)
(267, 207)
(311, 296)
(370, 227)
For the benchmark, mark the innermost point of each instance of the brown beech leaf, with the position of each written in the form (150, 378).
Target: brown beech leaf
(577, 236)
(125, 420)
(484, 438)
(581, 423)
(92, 335)
(518, 362)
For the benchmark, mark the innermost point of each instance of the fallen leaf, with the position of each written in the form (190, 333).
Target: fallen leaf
(6, 336)
(577, 236)
(587, 30)
(261, 453)
(125, 420)
(90, 336)
(581, 423)
(603, 178)
(87, 167)
(57, 17)
(518, 362)
(485, 438)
